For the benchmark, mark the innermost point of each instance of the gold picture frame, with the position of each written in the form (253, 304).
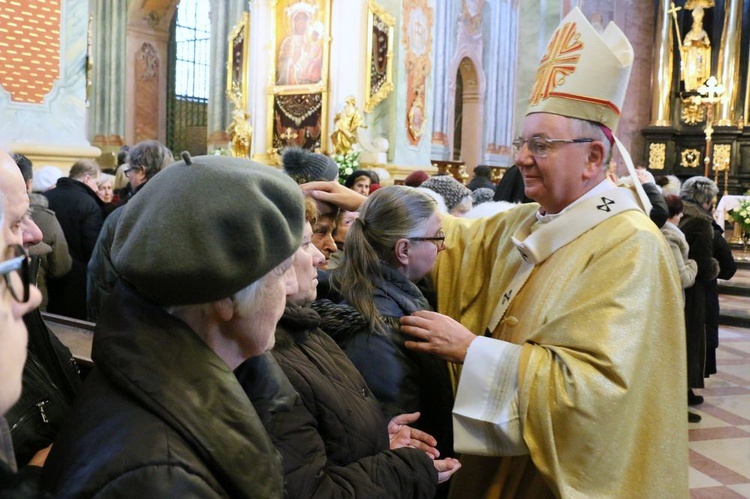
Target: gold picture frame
(298, 74)
(379, 77)
(238, 62)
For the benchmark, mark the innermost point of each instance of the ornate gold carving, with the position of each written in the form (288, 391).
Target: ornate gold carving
(722, 155)
(240, 131)
(657, 156)
(691, 158)
(346, 123)
(238, 60)
(416, 117)
(298, 74)
(379, 76)
(692, 111)
(696, 52)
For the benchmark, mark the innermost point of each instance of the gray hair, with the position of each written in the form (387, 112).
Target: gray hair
(389, 214)
(151, 155)
(698, 189)
(593, 130)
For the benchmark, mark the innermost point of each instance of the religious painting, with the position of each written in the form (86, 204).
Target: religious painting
(417, 40)
(379, 78)
(297, 121)
(237, 65)
(298, 100)
(302, 33)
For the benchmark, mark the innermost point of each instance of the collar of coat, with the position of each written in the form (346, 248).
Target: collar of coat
(168, 369)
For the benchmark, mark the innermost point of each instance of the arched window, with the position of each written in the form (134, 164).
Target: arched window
(189, 65)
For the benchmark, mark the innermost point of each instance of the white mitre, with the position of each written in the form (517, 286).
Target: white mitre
(583, 74)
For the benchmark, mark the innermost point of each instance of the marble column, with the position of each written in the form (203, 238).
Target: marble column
(225, 14)
(107, 96)
(728, 69)
(501, 76)
(443, 51)
(662, 73)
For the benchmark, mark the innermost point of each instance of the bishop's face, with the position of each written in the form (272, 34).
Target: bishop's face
(566, 172)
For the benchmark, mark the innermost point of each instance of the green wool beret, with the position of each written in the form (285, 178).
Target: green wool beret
(206, 228)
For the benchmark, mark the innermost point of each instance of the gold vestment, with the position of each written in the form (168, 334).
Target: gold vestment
(602, 381)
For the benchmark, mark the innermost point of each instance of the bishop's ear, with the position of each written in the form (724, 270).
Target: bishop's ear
(595, 157)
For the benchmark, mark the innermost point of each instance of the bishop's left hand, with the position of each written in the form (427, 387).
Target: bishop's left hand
(439, 334)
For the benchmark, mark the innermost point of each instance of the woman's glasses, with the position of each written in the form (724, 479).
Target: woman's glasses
(438, 240)
(19, 264)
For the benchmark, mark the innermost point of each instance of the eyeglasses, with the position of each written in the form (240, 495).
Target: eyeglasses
(540, 147)
(19, 288)
(128, 171)
(438, 241)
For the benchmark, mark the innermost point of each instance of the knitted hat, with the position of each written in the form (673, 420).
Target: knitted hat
(206, 228)
(305, 166)
(482, 195)
(45, 178)
(415, 179)
(583, 74)
(699, 189)
(452, 190)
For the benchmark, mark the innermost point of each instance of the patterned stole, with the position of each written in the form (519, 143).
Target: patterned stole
(535, 247)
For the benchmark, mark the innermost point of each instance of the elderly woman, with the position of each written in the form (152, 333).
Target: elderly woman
(106, 193)
(201, 288)
(390, 248)
(686, 267)
(456, 195)
(333, 438)
(17, 297)
(698, 194)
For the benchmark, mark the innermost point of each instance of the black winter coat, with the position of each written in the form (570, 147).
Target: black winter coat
(696, 225)
(50, 383)
(406, 380)
(161, 415)
(727, 267)
(333, 439)
(79, 211)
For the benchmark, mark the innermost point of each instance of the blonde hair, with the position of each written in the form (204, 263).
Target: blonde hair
(389, 214)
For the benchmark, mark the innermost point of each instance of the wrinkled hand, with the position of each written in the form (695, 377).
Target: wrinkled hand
(439, 334)
(446, 467)
(335, 194)
(402, 435)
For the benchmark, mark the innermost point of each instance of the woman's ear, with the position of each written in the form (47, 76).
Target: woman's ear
(401, 250)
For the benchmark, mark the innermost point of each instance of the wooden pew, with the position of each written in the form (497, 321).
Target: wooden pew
(75, 334)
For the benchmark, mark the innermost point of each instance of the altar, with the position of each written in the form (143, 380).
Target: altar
(727, 204)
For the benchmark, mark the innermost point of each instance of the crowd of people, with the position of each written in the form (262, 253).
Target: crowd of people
(274, 333)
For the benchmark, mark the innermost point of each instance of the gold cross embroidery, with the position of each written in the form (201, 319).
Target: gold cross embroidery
(559, 61)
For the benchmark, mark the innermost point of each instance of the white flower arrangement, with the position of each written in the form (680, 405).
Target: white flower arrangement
(348, 163)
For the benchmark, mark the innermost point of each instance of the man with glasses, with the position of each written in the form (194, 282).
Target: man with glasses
(568, 313)
(50, 376)
(145, 159)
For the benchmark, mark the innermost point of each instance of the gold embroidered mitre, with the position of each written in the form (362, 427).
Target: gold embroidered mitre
(583, 74)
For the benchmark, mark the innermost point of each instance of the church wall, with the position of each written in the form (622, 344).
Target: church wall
(43, 80)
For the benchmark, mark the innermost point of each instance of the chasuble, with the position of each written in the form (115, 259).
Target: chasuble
(600, 389)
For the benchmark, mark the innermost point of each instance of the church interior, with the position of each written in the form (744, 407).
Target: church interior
(404, 85)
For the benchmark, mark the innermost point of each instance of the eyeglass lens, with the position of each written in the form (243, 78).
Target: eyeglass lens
(17, 274)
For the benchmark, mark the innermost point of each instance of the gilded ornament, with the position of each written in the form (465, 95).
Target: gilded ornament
(691, 158)
(692, 111)
(657, 156)
(240, 131)
(416, 116)
(347, 121)
(722, 155)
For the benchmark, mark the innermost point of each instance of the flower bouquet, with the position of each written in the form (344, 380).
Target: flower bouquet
(347, 164)
(741, 216)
